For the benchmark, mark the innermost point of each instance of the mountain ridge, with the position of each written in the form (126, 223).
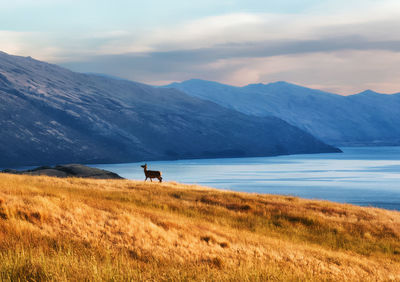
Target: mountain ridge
(367, 118)
(279, 82)
(51, 115)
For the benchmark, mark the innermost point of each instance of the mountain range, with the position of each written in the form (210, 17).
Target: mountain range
(367, 118)
(51, 115)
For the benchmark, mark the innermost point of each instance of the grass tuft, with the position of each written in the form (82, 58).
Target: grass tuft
(224, 244)
(81, 229)
(208, 239)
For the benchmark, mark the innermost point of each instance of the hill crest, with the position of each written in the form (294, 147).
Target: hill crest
(85, 229)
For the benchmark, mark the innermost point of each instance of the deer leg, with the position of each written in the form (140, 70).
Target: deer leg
(145, 179)
(160, 178)
(151, 180)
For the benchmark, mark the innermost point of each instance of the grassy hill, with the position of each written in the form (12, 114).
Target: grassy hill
(79, 229)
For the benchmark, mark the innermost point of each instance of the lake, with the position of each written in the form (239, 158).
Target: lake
(365, 176)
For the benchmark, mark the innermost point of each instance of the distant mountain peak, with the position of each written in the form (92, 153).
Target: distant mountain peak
(201, 81)
(255, 84)
(369, 92)
(274, 84)
(282, 86)
(6, 55)
(197, 80)
(281, 82)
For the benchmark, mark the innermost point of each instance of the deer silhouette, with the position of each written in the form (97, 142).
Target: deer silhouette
(151, 173)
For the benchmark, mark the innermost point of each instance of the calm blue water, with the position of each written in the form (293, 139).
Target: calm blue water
(366, 176)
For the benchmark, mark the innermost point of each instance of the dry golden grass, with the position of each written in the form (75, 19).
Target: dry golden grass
(79, 229)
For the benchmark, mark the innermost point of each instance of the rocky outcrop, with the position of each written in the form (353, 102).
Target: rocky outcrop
(69, 170)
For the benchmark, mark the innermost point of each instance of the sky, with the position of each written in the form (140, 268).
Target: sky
(340, 46)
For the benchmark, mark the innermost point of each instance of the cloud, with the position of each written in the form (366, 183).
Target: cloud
(375, 20)
(340, 71)
(208, 63)
(22, 43)
(238, 47)
(343, 72)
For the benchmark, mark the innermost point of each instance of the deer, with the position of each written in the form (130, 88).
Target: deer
(151, 173)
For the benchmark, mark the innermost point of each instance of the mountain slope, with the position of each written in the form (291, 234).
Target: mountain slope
(49, 114)
(121, 230)
(368, 118)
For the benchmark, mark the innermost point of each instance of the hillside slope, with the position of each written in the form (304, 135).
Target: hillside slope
(49, 115)
(80, 229)
(368, 118)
